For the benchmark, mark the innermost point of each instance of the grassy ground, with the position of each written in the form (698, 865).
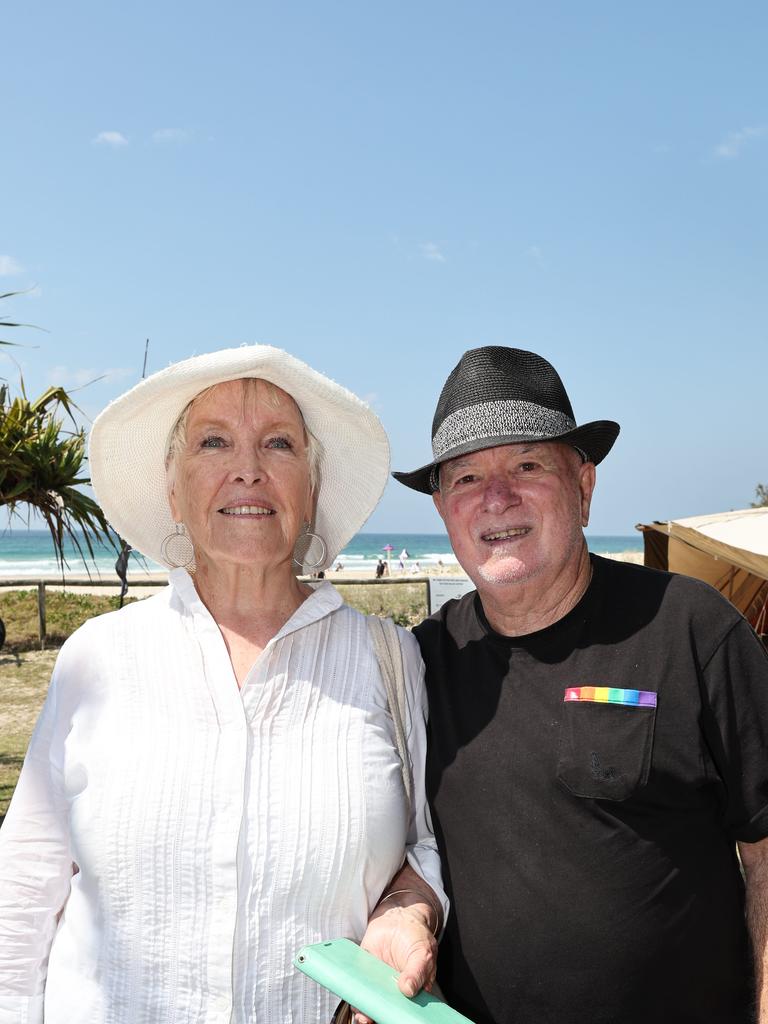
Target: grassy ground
(406, 603)
(23, 684)
(64, 613)
(25, 670)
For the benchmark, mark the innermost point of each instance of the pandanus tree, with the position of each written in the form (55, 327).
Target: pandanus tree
(42, 465)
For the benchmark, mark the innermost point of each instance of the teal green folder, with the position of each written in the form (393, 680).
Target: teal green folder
(370, 985)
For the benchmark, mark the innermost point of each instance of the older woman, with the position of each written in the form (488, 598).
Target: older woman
(214, 781)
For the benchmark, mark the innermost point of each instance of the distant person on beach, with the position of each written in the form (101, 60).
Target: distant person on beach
(598, 738)
(216, 777)
(381, 568)
(404, 556)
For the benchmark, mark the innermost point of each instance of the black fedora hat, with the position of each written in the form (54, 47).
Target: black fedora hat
(496, 395)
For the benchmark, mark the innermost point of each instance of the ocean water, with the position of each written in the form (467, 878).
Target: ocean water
(29, 553)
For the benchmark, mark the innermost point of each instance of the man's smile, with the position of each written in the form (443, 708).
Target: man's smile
(510, 533)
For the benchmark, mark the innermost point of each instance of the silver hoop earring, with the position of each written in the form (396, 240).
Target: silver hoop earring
(176, 549)
(302, 561)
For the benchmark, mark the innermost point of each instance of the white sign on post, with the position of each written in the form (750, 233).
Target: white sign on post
(444, 588)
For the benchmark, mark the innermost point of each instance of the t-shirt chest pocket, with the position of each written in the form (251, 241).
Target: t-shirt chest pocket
(605, 746)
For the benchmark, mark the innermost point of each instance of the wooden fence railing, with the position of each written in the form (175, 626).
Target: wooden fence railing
(75, 586)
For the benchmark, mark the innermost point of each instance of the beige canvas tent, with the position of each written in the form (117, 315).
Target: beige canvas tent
(728, 550)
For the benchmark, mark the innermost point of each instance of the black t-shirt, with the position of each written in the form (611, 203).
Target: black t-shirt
(588, 844)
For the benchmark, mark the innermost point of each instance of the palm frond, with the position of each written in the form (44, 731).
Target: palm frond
(14, 323)
(42, 466)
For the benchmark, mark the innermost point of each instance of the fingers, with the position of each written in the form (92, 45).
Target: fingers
(418, 972)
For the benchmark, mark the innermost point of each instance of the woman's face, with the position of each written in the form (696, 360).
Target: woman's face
(241, 482)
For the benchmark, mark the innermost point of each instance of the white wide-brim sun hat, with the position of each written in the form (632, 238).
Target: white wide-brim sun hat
(129, 444)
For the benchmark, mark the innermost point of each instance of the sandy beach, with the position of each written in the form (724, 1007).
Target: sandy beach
(144, 584)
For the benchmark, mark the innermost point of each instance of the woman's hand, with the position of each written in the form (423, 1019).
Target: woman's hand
(402, 938)
(401, 933)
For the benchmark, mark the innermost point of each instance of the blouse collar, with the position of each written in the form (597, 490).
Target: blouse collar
(321, 602)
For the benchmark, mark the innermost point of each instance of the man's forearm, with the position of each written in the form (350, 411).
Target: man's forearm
(754, 857)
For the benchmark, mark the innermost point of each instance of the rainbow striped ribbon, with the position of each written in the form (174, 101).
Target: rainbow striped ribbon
(611, 695)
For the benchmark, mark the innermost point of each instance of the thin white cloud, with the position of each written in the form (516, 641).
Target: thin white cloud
(535, 253)
(372, 399)
(9, 266)
(171, 135)
(432, 251)
(731, 146)
(71, 377)
(114, 139)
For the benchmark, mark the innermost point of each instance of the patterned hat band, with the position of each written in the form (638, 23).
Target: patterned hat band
(498, 419)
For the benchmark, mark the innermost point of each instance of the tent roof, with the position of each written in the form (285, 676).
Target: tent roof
(740, 537)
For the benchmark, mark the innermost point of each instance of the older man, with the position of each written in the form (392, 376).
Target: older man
(599, 738)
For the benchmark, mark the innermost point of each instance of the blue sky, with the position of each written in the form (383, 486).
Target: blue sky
(377, 188)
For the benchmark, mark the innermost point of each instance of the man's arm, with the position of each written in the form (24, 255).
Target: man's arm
(754, 858)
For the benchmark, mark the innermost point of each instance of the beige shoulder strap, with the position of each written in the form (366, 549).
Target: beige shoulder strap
(386, 644)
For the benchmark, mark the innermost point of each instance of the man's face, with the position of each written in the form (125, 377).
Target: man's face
(515, 513)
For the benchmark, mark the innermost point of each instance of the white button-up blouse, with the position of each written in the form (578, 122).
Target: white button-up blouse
(173, 840)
